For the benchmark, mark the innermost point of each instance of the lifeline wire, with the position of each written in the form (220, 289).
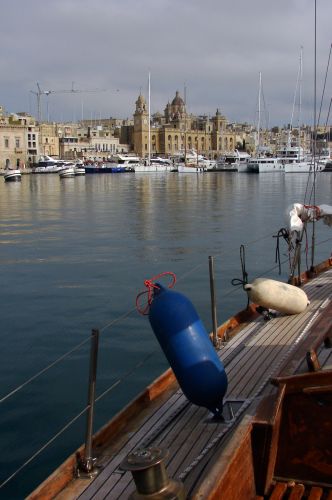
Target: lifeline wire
(73, 420)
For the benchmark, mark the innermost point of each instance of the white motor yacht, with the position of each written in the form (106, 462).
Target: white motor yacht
(235, 161)
(67, 172)
(265, 164)
(12, 175)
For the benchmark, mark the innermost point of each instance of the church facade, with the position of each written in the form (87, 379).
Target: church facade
(176, 131)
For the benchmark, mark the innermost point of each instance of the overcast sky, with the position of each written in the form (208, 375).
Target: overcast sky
(213, 48)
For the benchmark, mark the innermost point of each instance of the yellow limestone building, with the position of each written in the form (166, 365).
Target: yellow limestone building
(176, 131)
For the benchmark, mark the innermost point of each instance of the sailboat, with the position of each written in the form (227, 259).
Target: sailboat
(262, 163)
(294, 157)
(152, 164)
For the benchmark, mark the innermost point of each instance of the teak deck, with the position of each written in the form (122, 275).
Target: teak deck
(260, 351)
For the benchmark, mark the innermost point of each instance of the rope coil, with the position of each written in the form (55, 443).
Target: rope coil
(150, 285)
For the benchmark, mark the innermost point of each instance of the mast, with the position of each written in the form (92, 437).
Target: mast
(259, 110)
(149, 121)
(297, 90)
(314, 143)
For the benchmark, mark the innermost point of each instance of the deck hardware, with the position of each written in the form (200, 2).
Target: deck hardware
(150, 475)
(86, 464)
(216, 342)
(313, 361)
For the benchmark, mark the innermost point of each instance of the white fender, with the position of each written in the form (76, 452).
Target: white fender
(276, 295)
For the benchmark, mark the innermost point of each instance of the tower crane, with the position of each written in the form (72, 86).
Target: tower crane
(73, 90)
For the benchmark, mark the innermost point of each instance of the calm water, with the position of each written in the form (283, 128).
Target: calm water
(74, 254)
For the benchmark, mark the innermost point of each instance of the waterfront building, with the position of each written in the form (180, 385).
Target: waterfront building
(13, 139)
(176, 131)
(48, 140)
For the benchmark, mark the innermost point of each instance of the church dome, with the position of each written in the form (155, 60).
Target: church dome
(177, 101)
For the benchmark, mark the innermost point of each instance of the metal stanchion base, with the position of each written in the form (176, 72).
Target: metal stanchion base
(86, 469)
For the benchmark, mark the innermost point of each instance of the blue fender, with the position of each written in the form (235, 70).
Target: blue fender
(188, 349)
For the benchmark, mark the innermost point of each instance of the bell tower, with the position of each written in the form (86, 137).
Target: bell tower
(219, 127)
(141, 127)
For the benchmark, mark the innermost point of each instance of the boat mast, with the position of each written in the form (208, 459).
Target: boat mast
(149, 121)
(300, 99)
(297, 90)
(259, 112)
(185, 125)
(314, 142)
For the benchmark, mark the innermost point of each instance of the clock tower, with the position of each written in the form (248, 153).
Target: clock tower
(141, 127)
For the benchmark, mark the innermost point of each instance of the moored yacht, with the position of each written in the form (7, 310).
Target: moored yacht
(67, 172)
(235, 161)
(265, 164)
(191, 168)
(156, 164)
(12, 175)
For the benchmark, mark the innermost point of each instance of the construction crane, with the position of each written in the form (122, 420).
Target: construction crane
(73, 90)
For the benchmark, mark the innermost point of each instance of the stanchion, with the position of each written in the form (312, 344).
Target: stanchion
(87, 462)
(213, 303)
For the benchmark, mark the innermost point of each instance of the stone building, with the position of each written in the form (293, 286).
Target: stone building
(48, 139)
(19, 140)
(176, 131)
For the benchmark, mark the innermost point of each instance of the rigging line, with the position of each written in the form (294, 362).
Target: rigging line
(38, 452)
(116, 320)
(126, 375)
(55, 362)
(219, 254)
(234, 290)
(74, 419)
(326, 74)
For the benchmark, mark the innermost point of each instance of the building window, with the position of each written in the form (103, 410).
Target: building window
(17, 142)
(6, 142)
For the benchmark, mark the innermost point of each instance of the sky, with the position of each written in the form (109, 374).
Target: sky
(211, 51)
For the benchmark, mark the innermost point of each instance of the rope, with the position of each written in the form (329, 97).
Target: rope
(244, 281)
(282, 233)
(151, 286)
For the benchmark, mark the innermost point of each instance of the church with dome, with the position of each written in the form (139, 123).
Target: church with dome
(176, 131)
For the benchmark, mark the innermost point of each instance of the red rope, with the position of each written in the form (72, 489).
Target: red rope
(150, 285)
(316, 210)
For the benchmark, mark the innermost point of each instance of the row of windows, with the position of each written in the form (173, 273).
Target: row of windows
(7, 142)
(105, 147)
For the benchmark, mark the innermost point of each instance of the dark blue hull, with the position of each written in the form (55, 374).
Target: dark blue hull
(105, 170)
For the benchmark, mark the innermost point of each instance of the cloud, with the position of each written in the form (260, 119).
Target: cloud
(216, 49)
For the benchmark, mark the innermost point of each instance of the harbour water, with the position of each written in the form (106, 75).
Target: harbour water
(74, 254)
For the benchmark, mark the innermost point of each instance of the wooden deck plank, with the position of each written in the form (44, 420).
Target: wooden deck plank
(316, 493)
(272, 344)
(278, 491)
(266, 360)
(297, 492)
